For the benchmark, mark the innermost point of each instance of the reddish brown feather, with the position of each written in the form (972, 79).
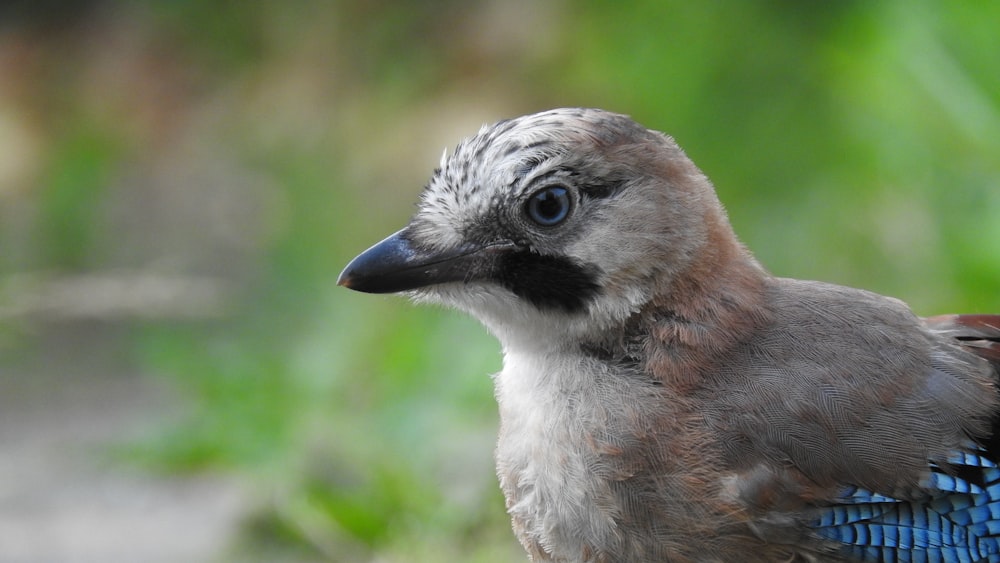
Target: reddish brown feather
(979, 334)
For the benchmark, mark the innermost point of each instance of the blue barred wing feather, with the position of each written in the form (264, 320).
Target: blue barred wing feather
(957, 521)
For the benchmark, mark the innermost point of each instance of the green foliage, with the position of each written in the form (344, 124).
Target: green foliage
(79, 169)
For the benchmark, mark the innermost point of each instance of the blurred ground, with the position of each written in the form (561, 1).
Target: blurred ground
(63, 495)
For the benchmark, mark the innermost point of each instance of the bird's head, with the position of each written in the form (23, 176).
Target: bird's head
(561, 223)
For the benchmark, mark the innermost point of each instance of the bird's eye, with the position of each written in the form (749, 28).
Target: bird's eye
(549, 206)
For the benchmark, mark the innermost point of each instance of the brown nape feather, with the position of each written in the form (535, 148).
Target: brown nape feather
(716, 302)
(723, 304)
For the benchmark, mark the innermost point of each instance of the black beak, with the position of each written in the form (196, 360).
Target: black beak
(396, 264)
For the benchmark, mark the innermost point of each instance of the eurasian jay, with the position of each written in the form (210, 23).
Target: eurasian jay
(663, 397)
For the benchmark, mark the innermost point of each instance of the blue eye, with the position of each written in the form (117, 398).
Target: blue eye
(549, 206)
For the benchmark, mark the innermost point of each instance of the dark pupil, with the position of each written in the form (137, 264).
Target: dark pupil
(549, 206)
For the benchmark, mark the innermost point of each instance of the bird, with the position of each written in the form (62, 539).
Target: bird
(663, 397)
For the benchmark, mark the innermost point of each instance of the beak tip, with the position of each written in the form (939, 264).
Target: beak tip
(373, 270)
(344, 280)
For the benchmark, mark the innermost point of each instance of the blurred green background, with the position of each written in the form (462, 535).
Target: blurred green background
(182, 181)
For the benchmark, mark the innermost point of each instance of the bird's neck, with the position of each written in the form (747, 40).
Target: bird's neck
(706, 310)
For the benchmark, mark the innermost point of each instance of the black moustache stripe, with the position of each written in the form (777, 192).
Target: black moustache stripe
(549, 282)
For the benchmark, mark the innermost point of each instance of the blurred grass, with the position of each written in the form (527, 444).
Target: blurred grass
(852, 142)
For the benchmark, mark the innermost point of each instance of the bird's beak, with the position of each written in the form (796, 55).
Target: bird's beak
(396, 264)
